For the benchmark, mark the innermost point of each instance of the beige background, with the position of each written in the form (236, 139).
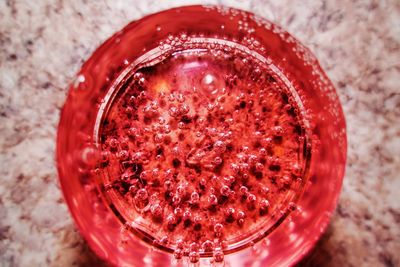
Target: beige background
(43, 43)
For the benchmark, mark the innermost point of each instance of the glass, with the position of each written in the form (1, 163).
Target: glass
(113, 199)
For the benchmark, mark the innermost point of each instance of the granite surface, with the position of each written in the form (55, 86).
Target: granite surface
(43, 44)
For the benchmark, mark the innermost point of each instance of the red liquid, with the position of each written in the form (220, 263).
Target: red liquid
(202, 148)
(195, 133)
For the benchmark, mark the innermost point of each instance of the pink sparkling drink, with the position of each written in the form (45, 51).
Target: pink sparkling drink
(210, 138)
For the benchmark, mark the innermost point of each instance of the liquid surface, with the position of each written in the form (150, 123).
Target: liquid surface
(202, 150)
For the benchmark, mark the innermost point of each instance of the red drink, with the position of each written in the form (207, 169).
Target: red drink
(202, 139)
(204, 144)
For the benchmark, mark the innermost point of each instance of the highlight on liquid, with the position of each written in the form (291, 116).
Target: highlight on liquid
(201, 141)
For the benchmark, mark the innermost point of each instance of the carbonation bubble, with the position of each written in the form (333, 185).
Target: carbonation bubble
(217, 160)
(208, 246)
(178, 253)
(141, 198)
(123, 155)
(156, 211)
(225, 190)
(90, 155)
(187, 215)
(264, 206)
(212, 200)
(218, 228)
(113, 143)
(194, 256)
(195, 198)
(218, 255)
(219, 146)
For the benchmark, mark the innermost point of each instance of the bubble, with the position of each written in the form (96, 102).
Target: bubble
(132, 100)
(259, 166)
(161, 120)
(218, 228)
(181, 125)
(105, 156)
(264, 206)
(79, 82)
(262, 152)
(229, 179)
(194, 198)
(178, 253)
(213, 200)
(193, 246)
(197, 219)
(133, 189)
(89, 156)
(218, 255)
(167, 129)
(156, 211)
(184, 109)
(245, 149)
(144, 175)
(241, 158)
(171, 222)
(173, 111)
(278, 130)
(217, 160)
(141, 198)
(125, 176)
(184, 37)
(235, 168)
(208, 82)
(212, 131)
(265, 190)
(267, 142)
(113, 143)
(240, 217)
(187, 215)
(123, 155)
(253, 159)
(229, 214)
(168, 185)
(181, 189)
(244, 167)
(194, 257)
(296, 169)
(251, 199)
(219, 146)
(178, 212)
(225, 190)
(244, 190)
(171, 97)
(137, 76)
(124, 143)
(133, 132)
(128, 111)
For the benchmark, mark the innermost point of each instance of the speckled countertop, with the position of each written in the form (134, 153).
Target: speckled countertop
(43, 44)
